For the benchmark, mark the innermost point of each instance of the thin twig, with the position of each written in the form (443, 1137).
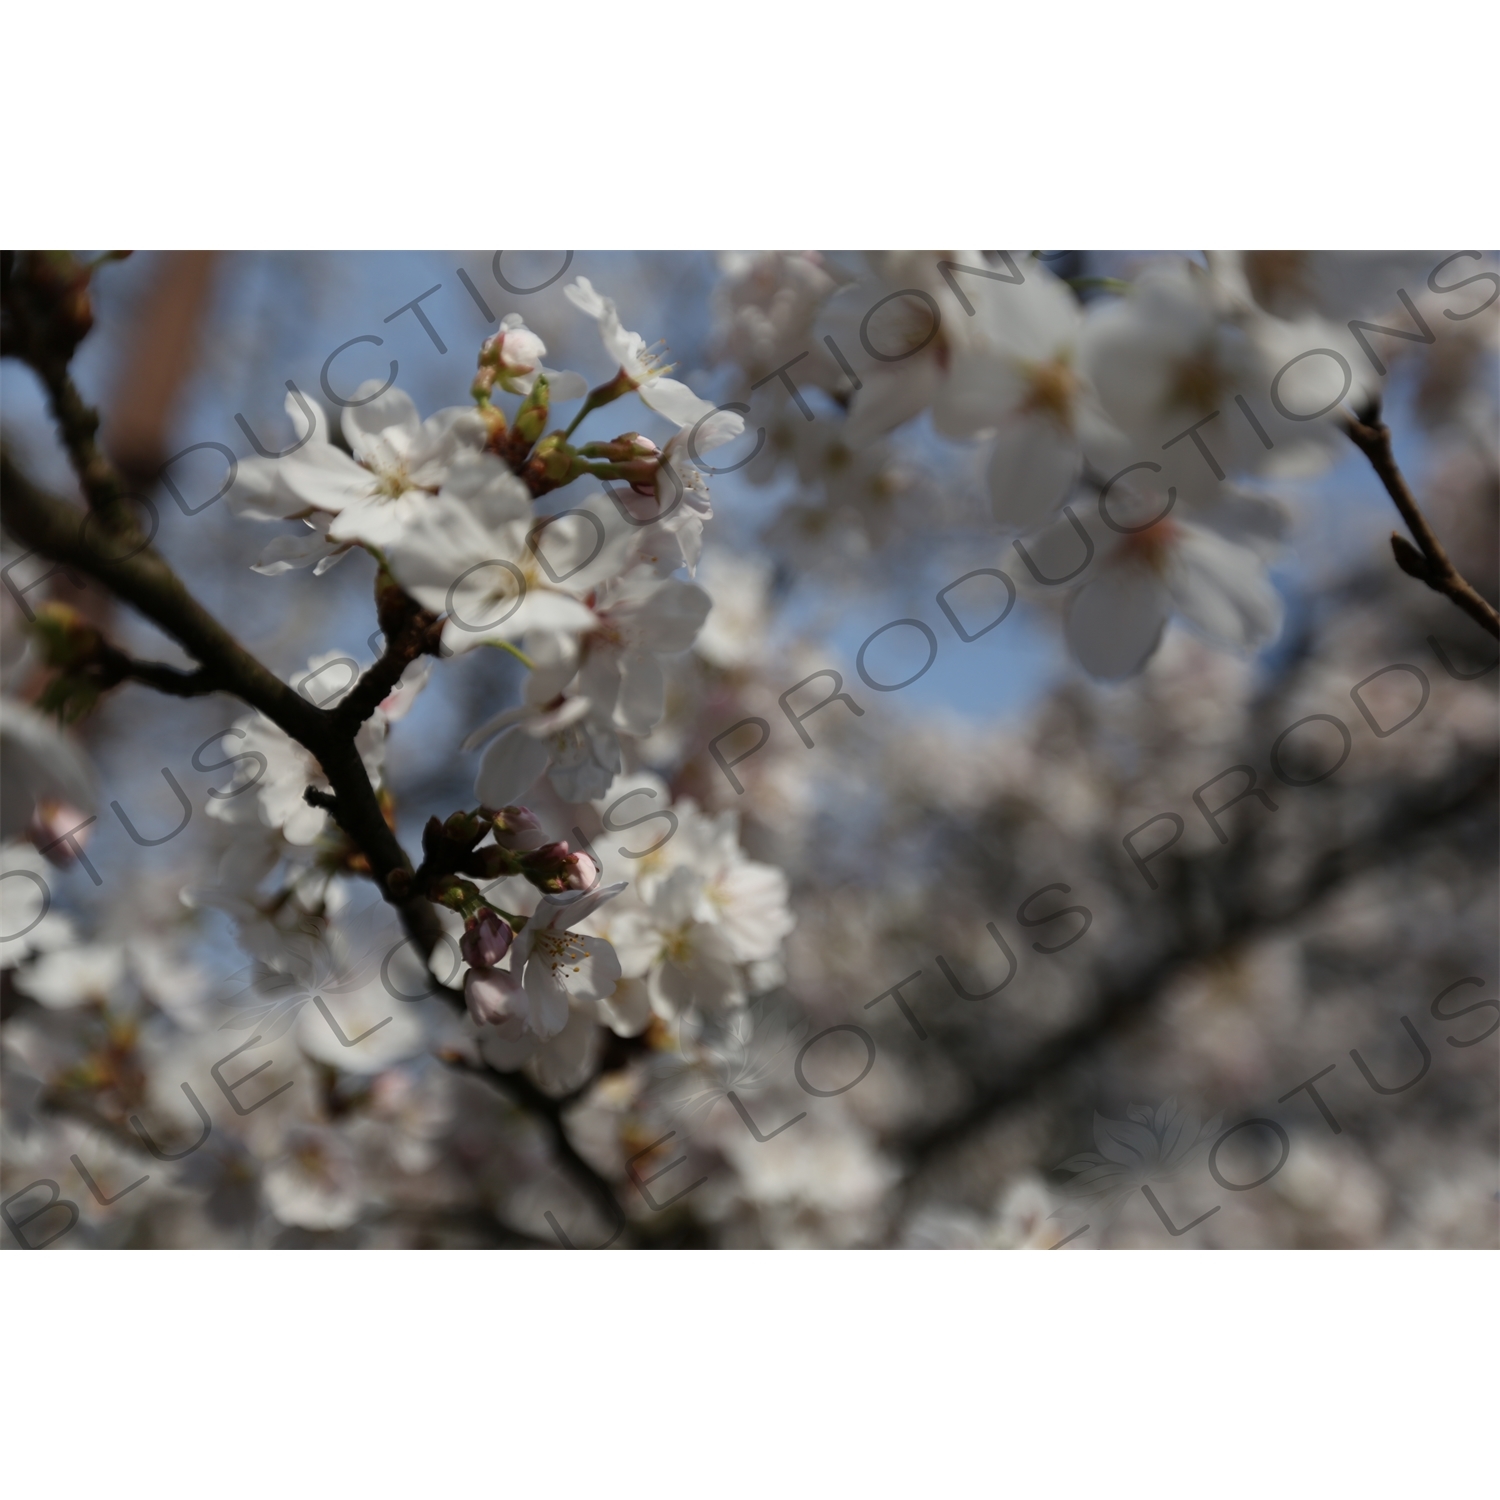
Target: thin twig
(1427, 561)
(410, 632)
(116, 667)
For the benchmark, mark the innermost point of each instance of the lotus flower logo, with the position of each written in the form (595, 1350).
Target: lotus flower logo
(1146, 1146)
(315, 959)
(744, 1054)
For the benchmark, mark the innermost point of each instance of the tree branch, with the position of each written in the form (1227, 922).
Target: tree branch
(1428, 561)
(523, 1092)
(410, 632)
(47, 312)
(144, 580)
(120, 560)
(1412, 822)
(116, 667)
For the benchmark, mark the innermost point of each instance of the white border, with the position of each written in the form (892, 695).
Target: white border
(822, 1373)
(774, 123)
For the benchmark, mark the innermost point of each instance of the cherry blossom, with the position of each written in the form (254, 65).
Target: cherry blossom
(399, 464)
(1209, 571)
(644, 370)
(550, 965)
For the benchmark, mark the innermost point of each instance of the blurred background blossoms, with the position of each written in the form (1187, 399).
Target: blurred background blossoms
(721, 837)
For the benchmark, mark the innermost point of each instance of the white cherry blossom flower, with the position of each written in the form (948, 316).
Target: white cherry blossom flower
(316, 1183)
(1334, 285)
(563, 742)
(399, 464)
(1019, 375)
(669, 516)
(644, 368)
(29, 920)
(734, 634)
(499, 582)
(80, 974)
(1178, 362)
(901, 326)
(572, 734)
(639, 619)
(685, 960)
(568, 738)
(764, 306)
(550, 964)
(1209, 571)
(747, 900)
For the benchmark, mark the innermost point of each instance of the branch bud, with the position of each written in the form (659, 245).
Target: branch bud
(531, 420)
(518, 828)
(487, 938)
(1409, 559)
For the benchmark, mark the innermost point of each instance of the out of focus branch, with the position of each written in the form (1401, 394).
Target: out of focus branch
(1428, 561)
(45, 312)
(522, 1091)
(162, 351)
(1413, 820)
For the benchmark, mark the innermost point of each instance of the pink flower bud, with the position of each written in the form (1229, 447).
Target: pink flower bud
(486, 940)
(512, 357)
(518, 828)
(555, 868)
(56, 828)
(520, 352)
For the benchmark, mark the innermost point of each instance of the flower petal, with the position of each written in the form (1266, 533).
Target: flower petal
(510, 768)
(549, 1000)
(1032, 469)
(283, 553)
(1223, 590)
(386, 427)
(1116, 619)
(642, 699)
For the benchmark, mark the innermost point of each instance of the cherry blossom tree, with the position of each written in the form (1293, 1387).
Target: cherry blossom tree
(618, 995)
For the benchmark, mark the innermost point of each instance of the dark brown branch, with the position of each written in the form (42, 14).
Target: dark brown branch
(523, 1092)
(46, 313)
(120, 560)
(133, 571)
(1428, 561)
(116, 667)
(144, 580)
(410, 632)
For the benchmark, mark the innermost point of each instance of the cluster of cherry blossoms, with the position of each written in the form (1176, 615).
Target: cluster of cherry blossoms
(588, 600)
(1128, 436)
